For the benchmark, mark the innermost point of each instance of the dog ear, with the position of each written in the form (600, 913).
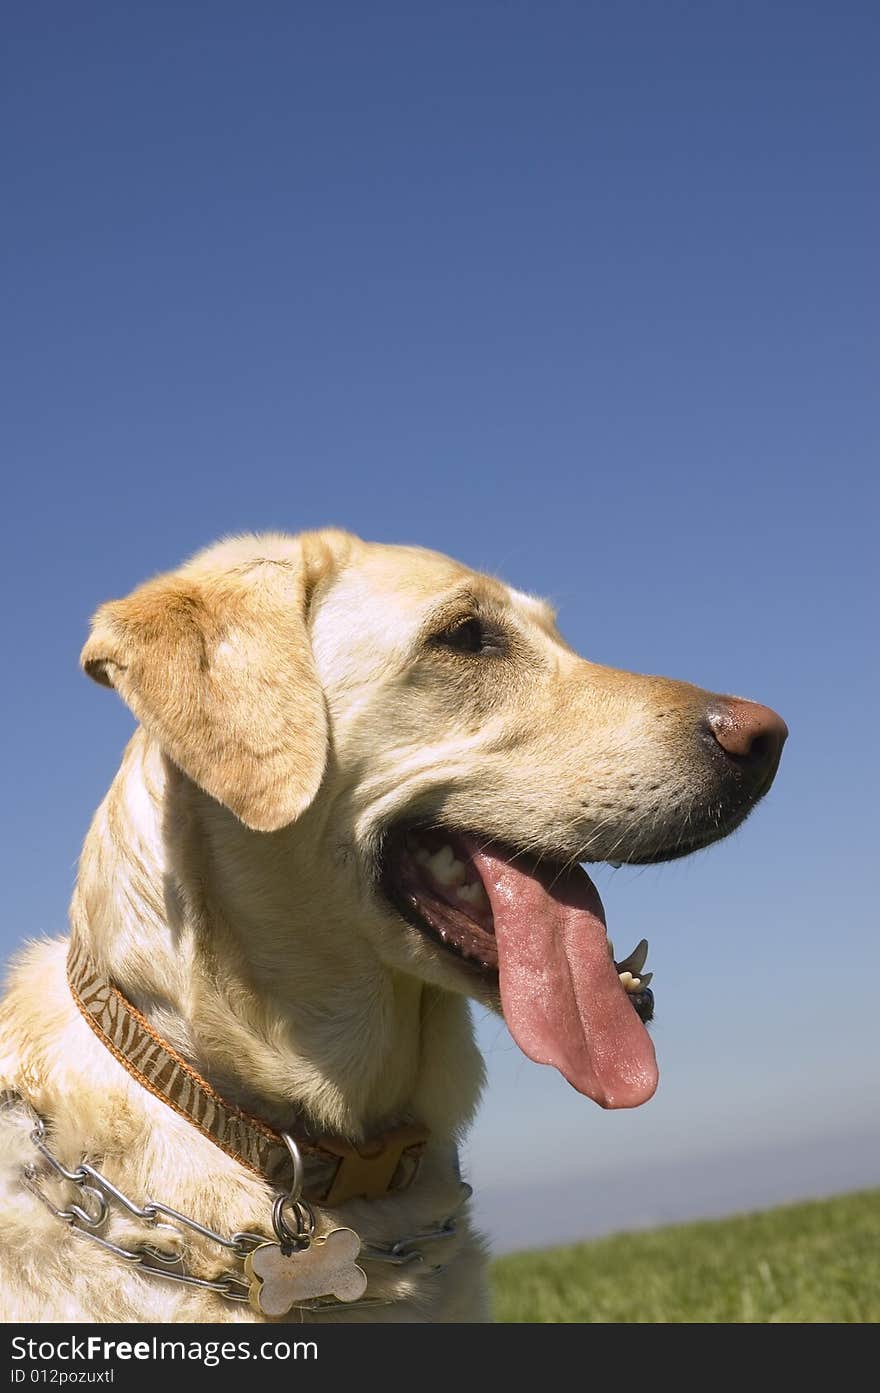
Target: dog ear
(219, 667)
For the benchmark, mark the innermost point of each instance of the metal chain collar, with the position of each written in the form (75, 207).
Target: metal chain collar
(97, 1196)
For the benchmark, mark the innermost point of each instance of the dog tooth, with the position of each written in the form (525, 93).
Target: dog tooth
(636, 960)
(630, 983)
(445, 868)
(474, 894)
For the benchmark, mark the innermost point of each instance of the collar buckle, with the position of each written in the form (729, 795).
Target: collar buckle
(377, 1167)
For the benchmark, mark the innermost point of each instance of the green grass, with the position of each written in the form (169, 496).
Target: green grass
(800, 1263)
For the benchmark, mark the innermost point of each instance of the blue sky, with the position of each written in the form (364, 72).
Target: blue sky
(583, 294)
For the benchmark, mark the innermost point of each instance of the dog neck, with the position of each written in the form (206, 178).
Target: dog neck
(236, 948)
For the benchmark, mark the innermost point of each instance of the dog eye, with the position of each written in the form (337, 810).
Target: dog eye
(467, 636)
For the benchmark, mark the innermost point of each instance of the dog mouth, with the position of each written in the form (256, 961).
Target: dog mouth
(534, 930)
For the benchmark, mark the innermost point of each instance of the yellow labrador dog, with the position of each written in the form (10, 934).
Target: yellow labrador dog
(361, 787)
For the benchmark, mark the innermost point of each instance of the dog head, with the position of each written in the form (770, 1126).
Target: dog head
(448, 761)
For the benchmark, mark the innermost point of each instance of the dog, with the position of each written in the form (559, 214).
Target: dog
(361, 787)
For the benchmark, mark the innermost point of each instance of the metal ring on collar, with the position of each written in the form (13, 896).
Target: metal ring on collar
(296, 1185)
(288, 1237)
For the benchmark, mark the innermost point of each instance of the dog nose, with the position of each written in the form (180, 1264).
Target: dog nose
(752, 736)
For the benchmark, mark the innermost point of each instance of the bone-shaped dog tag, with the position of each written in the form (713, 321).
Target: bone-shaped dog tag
(327, 1267)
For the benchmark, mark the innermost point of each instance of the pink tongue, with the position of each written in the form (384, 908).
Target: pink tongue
(560, 991)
